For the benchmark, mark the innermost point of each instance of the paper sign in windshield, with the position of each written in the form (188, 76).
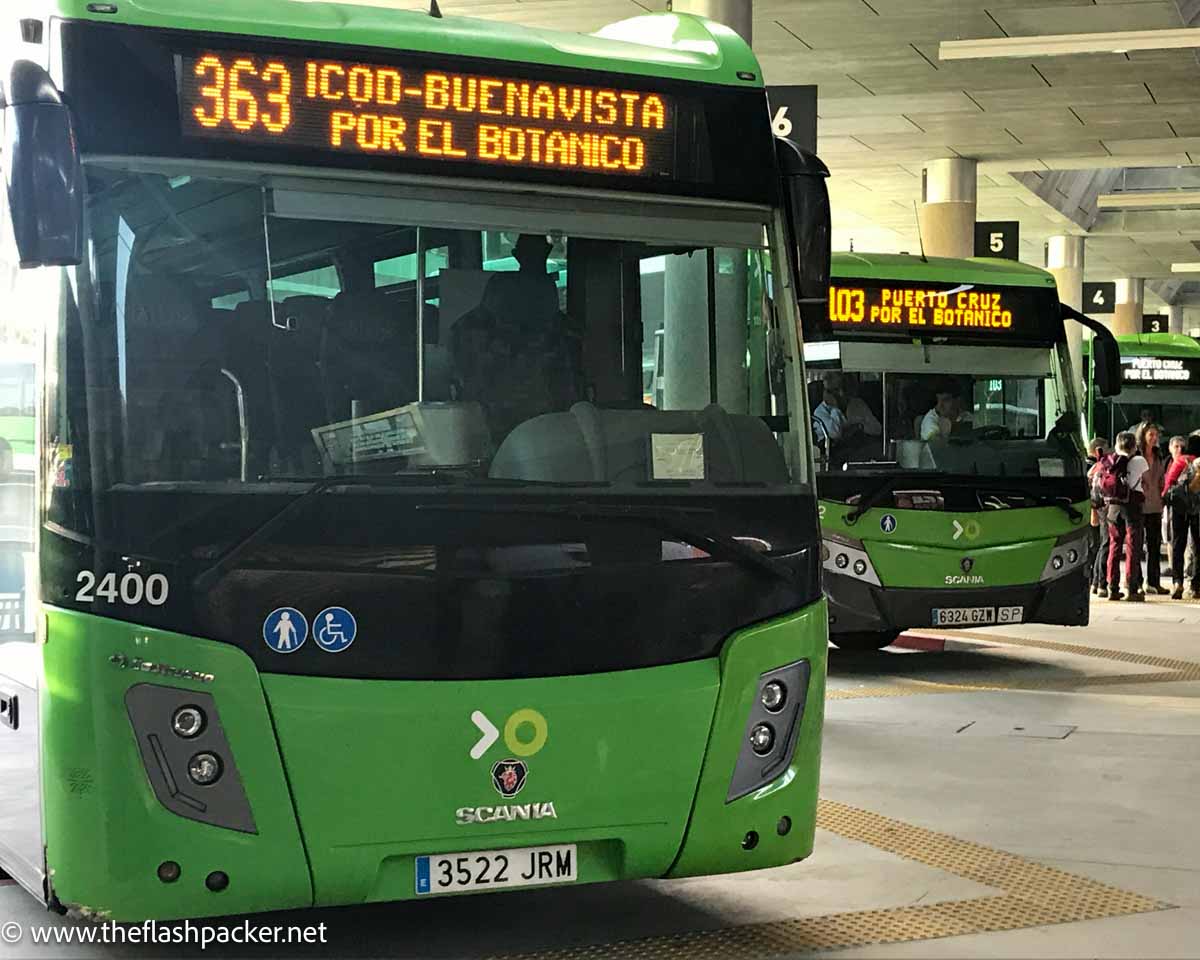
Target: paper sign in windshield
(381, 436)
(677, 456)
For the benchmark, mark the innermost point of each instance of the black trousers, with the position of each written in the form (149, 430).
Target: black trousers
(1153, 543)
(1098, 544)
(1184, 525)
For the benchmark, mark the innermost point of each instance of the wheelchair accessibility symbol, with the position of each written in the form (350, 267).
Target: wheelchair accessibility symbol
(334, 629)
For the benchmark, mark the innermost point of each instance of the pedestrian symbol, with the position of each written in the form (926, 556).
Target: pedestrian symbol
(285, 630)
(334, 629)
(887, 523)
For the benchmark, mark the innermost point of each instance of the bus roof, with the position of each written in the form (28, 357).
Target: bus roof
(904, 266)
(667, 45)
(1156, 345)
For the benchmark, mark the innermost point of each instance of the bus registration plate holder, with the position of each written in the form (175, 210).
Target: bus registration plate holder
(476, 870)
(975, 616)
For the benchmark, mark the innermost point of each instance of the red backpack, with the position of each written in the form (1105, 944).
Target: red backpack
(1114, 478)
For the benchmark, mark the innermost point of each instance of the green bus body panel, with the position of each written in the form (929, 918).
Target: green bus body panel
(636, 763)
(900, 266)
(663, 45)
(106, 832)
(378, 769)
(1009, 547)
(714, 838)
(1153, 345)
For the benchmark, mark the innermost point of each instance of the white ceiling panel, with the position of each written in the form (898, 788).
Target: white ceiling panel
(887, 105)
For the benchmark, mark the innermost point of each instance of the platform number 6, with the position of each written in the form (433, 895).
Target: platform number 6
(781, 124)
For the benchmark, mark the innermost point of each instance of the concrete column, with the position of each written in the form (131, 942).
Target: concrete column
(735, 14)
(1131, 297)
(1064, 259)
(1175, 318)
(947, 211)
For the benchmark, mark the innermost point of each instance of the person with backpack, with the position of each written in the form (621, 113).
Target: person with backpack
(1121, 476)
(1098, 541)
(1181, 493)
(1148, 435)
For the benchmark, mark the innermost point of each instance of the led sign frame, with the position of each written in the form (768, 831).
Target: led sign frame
(904, 310)
(1162, 371)
(348, 107)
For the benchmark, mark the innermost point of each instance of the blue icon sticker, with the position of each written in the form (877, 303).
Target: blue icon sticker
(285, 630)
(887, 523)
(334, 629)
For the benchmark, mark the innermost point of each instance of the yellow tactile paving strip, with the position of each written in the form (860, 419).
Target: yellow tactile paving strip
(1033, 895)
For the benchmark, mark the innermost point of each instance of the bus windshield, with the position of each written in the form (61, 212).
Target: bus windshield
(234, 335)
(997, 416)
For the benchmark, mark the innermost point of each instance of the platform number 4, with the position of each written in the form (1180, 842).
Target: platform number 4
(1100, 297)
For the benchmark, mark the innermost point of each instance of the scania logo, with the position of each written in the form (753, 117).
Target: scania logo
(966, 564)
(520, 811)
(508, 777)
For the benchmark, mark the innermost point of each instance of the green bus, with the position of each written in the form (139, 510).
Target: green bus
(952, 484)
(1160, 373)
(366, 571)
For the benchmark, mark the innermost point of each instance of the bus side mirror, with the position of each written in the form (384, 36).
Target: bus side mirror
(1106, 374)
(42, 172)
(806, 215)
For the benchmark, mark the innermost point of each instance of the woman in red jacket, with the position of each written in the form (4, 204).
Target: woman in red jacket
(1185, 520)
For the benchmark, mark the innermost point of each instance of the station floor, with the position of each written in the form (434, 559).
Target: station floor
(1016, 792)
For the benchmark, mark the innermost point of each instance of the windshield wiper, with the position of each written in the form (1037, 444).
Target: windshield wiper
(667, 519)
(1063, 503)
(875, 497)
(225, 562)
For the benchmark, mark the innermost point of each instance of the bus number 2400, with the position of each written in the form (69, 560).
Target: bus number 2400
(131, 589)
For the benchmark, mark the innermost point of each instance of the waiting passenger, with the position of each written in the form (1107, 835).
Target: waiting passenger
(1152, 504)
(1121, 476)
(947, 412)
(1098, 542)
(1181, 493)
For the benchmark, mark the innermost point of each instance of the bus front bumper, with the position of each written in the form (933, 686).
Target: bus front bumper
(858, 607)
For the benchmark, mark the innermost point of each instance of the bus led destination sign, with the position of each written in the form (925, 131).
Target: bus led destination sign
(1165, 370)
(920, 311)
(372, 110)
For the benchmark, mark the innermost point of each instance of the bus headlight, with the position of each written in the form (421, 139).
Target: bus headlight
(204, 769)
(187, 758)
(772, 728)
(762, 739)
(1067, 556)
(773, 696)
(188, 722)
(847, 557)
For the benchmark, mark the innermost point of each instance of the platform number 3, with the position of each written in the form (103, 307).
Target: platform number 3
(130, 590)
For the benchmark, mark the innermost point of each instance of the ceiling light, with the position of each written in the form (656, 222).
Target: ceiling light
(1070, 43)
(1149, 200)
(1185, 268)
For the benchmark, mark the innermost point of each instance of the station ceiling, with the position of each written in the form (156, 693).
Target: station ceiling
(1050, 134)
